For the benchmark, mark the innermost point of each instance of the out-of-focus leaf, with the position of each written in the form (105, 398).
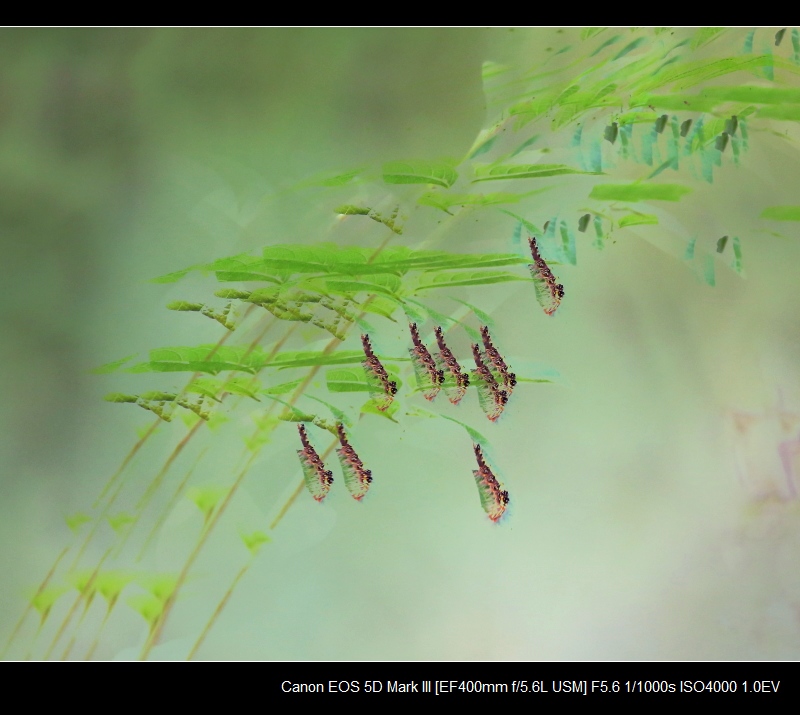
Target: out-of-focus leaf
(637, 219)
(781, 213)
(494, 172)
(419, 172)
(639, 192)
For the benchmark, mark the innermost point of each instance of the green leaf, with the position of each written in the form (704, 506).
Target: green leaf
(339, 179)
(467, 278)
(736, 263)
(522, 147)
(162, 586)
(310, 358)
(46, 598)
(639, 192)
(207, 498)
(119, 522)
(705, 35)
(347, 380)
(753, 94)
(380, 305)
(708, 272)
(781, 213)
(689, 254)
(419, 172)
(629, 48)
(370, 407)
(184, 306)
(109, 584)
(474, 435)
(283, 388)
(589, 32)
(348, 210)
(494, 172)
(485, 318)
(677, 102)
(110, 367)
(210, 359)
(531, 228)
(83, 581)
(637, 219)
(147, 607)
(446, 201)
(206, 386)
(786, 113)
(335, 411)
(121, 397)
(610, 41)
(255, 541)
(688, 74)
(247, 386)
(75, 521)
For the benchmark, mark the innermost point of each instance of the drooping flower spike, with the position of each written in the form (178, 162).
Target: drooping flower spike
(456, 382)
(491, 396)
(317, 478)
(356, 478)
(494, 499)
(429, 377)
(377, 377)
(548, 292)
(496, 359)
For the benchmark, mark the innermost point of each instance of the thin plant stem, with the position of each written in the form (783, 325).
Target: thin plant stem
(300, 487)
(155, 634)
(74, 606)
(72, 640)
(165, 513)
(96, 641)
(220, 607)
(29, 607)
(157, 422)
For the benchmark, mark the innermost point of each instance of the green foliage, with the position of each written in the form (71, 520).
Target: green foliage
(639, 192)
(75, 521)
(254, 541)
(419, 172)
(781, 213)
(616, 111)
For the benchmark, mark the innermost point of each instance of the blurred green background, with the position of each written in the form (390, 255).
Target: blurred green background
(126, 154)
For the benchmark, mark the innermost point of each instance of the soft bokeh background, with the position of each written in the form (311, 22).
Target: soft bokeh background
(646, 517)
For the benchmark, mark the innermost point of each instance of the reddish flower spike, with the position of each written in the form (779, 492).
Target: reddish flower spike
(429, 376)
(548, 292)
(491, 397)
(494, 499)
(377, 377)
(493, 356)
(356, 478)
(317, 478)
(456, 382)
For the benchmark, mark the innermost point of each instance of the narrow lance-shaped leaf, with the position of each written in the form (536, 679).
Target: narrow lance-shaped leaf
(639, 192)
(419, 172)
(495, 172)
